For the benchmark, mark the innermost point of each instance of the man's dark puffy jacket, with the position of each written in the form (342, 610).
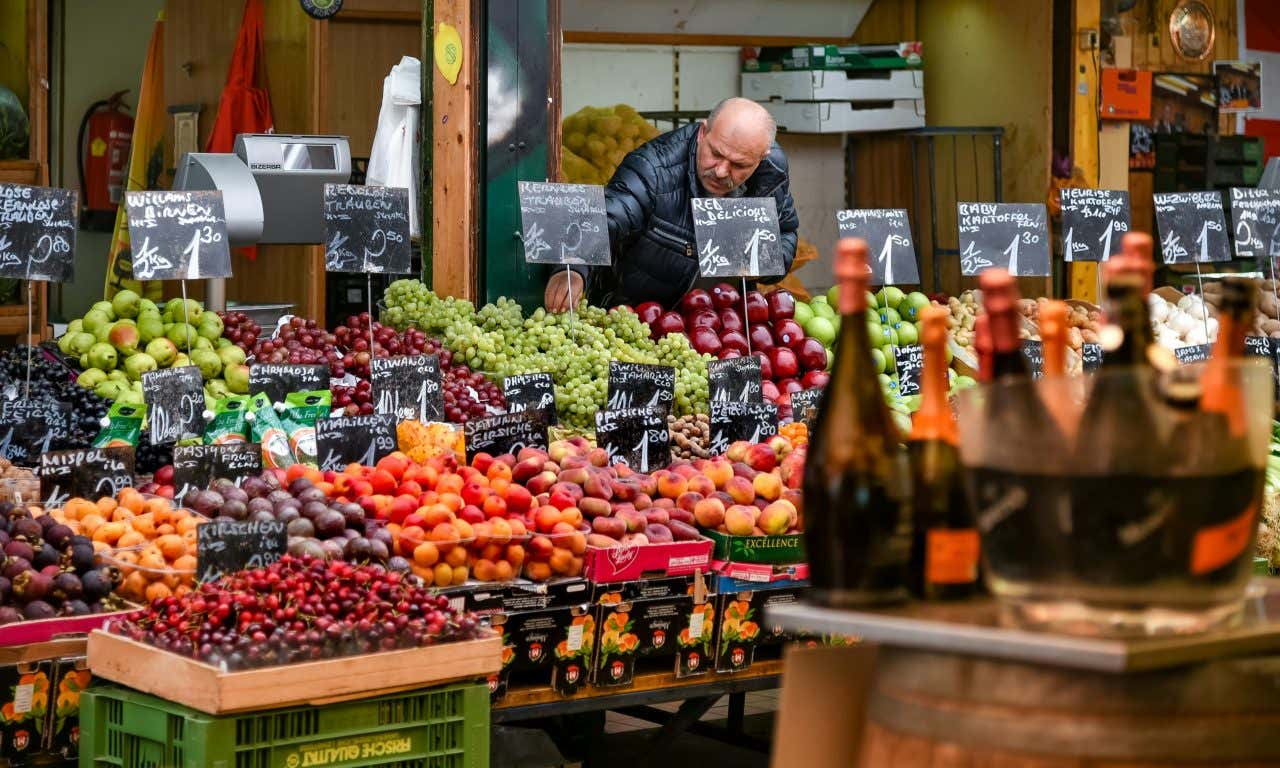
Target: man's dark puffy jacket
(651, 219)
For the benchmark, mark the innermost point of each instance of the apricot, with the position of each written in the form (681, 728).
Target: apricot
(426, 554)
(172, 546)
(560, 560)
(443, 574)
(503, 571)
(535, 571)
(456, 556)
(459, 574)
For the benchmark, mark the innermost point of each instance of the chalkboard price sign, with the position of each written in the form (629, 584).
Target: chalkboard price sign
(1192, 227)
(1193, 353)
(88, 473)
(1255, 222)
(1093, 222)
(1010, 235)
(408, 387)
(227, 546)
(278, 380)
(888, 235)
(910, 365)
(564, 224)
(178, 235)
(737, 236)
(1033, 351)
(505, 433)
(363, 439)
(29, 428)
(637, 385)
(366, 229)
(175, 403)
(736, 380)
(196, 466)
(731, 422)
(804, 405)
(37, 233)
(1091, 356)
(531, 392)
(637, 437)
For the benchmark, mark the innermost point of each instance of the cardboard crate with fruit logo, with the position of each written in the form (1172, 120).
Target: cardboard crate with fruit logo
(24, 709)
(615, 658)
(70, 678)
(570, 668)
(741, 627)
(667, 617)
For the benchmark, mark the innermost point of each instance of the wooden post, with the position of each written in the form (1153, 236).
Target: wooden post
(1083, 283)
(38, 150)
(455, 162)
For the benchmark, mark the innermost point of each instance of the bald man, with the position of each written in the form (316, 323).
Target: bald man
(730, 154)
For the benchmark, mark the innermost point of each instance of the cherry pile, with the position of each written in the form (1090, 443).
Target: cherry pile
(275, 615)
(353, 336)
(240, 329)
(300, 342)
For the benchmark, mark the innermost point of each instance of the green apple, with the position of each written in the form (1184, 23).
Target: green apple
(889, 316)
(833, 296)
(823, 309)
(804, 313)
(911, 305)
(907, 333)
(886, 383)
(891, 296)
(873, 301)
(887, 336)
(878, 357)
(821, 329)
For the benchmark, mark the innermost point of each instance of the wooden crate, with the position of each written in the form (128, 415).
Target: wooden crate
(210, 690)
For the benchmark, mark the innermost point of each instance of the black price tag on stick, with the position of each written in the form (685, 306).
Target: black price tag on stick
(278, 380)
(363, 439)
(408, 387)
(29, 428)
(1010, 235)
(804, 405)
(738, 236)
(736, 380)
(1255, 222)
(638, 385)
(1260, 346)
(89, 473)
(37, 233)
(1093, 223)
(1192, 227)
(178, 235)
(1193, 353)
(505, 433)
(1091, 356)
(196, 466)
(888, 235)
(564, 224)
(637, 437)
(531, 392)
(731, 422)
(175, 403)
(227, 546)
(909, 362)
(366, 229)
(1033, 351)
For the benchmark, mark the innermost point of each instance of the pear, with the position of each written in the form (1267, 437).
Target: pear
(138, 364)
(103, 355)
(109, 389)
(179, 333)
(103, 332)
(181, 361)
(119, 376)
(163, 351)
(131, 397)
(95, 319)
(75, 326)
(201, 342)
(124, 337)
(222, 342)
(209, 362)
(126, 303)
(150, 328)
(237, 377)
(105, 308)
(210, 325)
(91, 378)
(217, 389)
(231, 355)
(64, 343)
(80, 342)
(146, 306)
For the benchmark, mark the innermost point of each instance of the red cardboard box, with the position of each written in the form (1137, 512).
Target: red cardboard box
(622, 563)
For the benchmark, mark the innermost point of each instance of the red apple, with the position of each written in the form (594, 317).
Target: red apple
(782, 305)
(815, 378)
(788, 333)
(784, 363)
(769, 391)
(790, 386)
(761, 337)
(812, 355)
(668, 322)
(725, 296)
(730, 320)
(766, 368)
(734, 340)
(728, 353)
(649, 312)
(695, 300)
(757, 307)
(703, 319)
(705, 341)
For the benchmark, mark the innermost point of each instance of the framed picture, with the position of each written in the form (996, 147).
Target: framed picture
(1239, 85)
(1180, 103)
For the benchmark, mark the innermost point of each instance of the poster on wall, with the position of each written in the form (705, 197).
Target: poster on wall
(1180, 103)
(1239, 85)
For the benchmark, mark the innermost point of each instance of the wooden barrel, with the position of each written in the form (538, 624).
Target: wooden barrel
(929, 710)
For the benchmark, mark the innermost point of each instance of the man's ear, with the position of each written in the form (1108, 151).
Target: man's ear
(702, 128)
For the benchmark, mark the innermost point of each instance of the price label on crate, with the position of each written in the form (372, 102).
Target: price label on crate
(637, 437)
(731, 422)
(888, 235)
(279, 379)
(909, 361)
(738, 236)
(196, 466)
(1192, 227)
(1260, 346)
(1193, 353)
(37, 233)
(175, 403)
(1091, 356)
(408, 387)
(1255, 223)
(178, 235)
(227, 546)
(89, 473)
(347, 439)
(736, 380)
(505, 433)
(29, 428)
(531, 392)
(638, 385)
(1010, 235)
(804, 405)
(564, 224)
(366, 229)
(1033, 351)
(1093, 222)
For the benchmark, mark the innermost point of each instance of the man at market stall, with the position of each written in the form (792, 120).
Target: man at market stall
(733, 153)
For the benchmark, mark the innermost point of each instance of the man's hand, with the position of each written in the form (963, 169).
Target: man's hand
(564, 290)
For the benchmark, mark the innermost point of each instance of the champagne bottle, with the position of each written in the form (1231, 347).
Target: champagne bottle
(1053, 339)
(944, 547)
(856, 482)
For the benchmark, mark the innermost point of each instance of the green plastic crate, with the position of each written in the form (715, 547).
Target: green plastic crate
(433, 728)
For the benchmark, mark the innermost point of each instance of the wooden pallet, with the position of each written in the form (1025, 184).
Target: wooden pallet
(211, 690)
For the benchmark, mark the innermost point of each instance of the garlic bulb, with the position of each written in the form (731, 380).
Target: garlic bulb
(1212, 324)
(1181, 323)
(1158, 307)
(1197, 336)
(1186, 301)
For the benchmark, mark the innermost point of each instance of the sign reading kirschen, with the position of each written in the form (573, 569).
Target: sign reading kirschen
(564, 224)
(1093, 222)
(888, 235)
(1010, 235)
(37, 233)
(1192, 227)
(738, 236)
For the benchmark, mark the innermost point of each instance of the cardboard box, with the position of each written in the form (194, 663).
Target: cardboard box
(557, 642)
(25, 701)
(846, 116)
(822, 707)
(786, 548)
(740, 626)
(642, 589)
(70, 677)
(622, 563)
(484, 597)
(833, 57)
(570, 669)
(819, 85)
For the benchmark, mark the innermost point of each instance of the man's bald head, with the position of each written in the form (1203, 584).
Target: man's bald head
(732, 142)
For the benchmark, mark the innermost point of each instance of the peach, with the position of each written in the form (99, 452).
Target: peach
(599, 486)
(680, 515)
(740, 520)
(709, 512)
(560, 450)
(658, 534)
(574, 462)
(577, 475)
(718, 470)
(664, 503)
(742, 470)
(609, 526)
(540, 548)
(702, 484)
(599, 540)
(526, 469)
(681, 531)
(598, 457)
(518, 499)
(625, 488)
(647, 484)
(541, 482)
(741, 490)
(635, 540)
(767, 486)
(671, 485)
(622, 470)
(657, 517)
(642, 502)
(546, 518)
(684, 469)
(634, 519)
(561, 529)
(738, 451)
(688, 500)
(781, 446)
(572, 516)
(761, 457)
(593, 507)
(573, 490)
(775, 519)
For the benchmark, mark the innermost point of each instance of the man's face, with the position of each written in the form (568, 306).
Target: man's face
(727, 157)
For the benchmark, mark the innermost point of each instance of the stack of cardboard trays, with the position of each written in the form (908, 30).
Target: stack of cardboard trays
(838, 88)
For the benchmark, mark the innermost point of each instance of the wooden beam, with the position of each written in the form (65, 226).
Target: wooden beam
(1083, 275)
(554, 96)
(661, 38)
(456, 176)
(38, 144)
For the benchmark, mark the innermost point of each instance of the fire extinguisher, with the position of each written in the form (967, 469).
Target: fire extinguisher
(105, 132)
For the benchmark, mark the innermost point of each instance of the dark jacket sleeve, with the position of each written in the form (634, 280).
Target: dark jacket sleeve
(788, 219)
